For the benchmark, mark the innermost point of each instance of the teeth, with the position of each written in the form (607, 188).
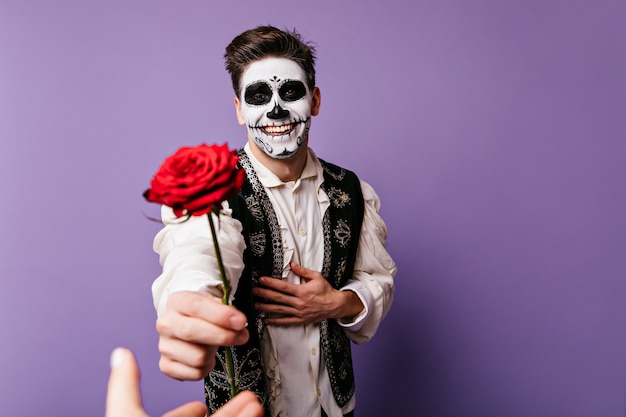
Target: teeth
(278, 130)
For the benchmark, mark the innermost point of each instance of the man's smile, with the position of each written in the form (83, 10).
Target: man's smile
(278, 130)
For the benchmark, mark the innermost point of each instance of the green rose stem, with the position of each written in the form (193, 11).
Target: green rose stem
(230, 369)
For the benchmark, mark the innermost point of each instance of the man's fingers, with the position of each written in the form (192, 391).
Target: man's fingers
(285, 321)
(197, 330)
(244, 404)
(303, 272)
(193, 325)
(277, 285)
(206, 307)
(185, 361)
(190, 354)
(276, 296)
(193, 409)
(124, 395)
(288, 287)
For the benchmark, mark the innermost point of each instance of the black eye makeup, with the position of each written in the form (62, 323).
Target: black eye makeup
(292, 90)
(258, 94)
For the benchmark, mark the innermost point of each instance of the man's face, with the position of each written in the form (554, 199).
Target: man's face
(276, 106)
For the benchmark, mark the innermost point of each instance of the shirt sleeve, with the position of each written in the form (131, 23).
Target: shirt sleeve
(374, 272)
(187, 255)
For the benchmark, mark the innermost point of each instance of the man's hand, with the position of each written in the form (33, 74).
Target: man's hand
(124, 396)
(312, 302)
(191, 329)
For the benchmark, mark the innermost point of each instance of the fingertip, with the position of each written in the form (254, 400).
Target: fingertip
(118, 357)
(247, 393)
(192, 409)
(123, 393)
(242, 337)
(199, 407)
(238, 321)
(252, 405)
(124, 365)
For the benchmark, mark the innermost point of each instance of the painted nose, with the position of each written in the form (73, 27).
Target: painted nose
(277, 112)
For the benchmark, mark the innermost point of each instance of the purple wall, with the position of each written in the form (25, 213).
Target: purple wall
(494, 132)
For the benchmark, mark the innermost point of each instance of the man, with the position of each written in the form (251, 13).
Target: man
(304, 240)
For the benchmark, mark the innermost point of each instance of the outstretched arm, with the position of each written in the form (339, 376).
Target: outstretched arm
(192, 321)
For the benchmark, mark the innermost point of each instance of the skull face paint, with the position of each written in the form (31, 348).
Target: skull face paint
(276, 106)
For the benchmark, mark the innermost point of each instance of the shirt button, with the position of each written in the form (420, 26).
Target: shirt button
(313, 351)
(317, 390)
(302, 231)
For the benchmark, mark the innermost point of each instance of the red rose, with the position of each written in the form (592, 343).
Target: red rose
(193, 181)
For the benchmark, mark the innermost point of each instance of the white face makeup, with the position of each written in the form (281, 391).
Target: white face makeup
(276, 105)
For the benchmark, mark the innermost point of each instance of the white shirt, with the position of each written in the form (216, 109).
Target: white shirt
(298, 381)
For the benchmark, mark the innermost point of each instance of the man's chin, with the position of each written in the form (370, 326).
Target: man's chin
(278, 149)
(285, 154)
(284, 150)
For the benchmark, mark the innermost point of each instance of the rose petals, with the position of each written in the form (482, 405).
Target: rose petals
(194, 180)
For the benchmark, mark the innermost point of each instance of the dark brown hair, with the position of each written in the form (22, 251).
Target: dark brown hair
(268, 41)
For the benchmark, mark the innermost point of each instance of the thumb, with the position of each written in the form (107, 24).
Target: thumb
(244, 404)
(123, 394)
(192, 409)
(303, 272)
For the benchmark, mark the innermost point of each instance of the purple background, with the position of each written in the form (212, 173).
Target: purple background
(494, 132)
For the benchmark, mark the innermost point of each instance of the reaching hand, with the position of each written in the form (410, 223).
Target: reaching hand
(191, 329)
(312, 302)
(124, 396)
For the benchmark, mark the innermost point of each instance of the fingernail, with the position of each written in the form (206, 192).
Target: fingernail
(238, 322)
(117, 357)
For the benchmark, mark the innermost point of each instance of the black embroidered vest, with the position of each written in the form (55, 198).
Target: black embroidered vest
(264, 257)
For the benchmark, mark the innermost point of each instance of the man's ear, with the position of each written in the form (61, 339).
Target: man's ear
(317, 102)
(240, 118)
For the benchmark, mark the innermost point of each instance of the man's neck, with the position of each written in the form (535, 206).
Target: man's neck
(288, 169)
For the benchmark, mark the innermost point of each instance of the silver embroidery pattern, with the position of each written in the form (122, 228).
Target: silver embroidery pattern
(247, 374)
(254, 207)
(257, 243)
(268, 210)
(338, 197)
(341, 269)
(343, 233)
(333, 340)
(338, 176)
(336, 341)
(260, 316)
(327, 245)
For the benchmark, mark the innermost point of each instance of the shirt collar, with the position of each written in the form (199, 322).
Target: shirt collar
(312, 169)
